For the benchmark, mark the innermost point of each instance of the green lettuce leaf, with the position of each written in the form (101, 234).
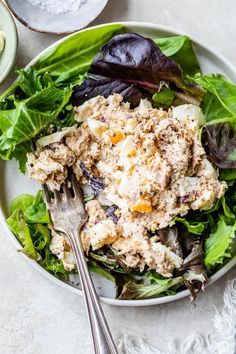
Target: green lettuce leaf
(220, 97)
(230, 217)
(194, 227)
(220, 113)
(163, 98)
(93, 267)
(34, 208)
(19, 227)
(20, 154)
(29, 222)
(180, 49)
(228, 174)
(31, 82)
(133, 290)
(72, 58)
(37, 211)
(41, 236)
(30, 117)
(218, 245)
(53, 265)
(22, 202)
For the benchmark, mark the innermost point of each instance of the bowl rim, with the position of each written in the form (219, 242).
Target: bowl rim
(32, 28)
(15, 48)
(112, 301)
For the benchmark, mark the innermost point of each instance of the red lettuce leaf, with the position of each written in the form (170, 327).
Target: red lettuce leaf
(221, 139)
(132, 58)
(96, 85)
(170, 237)
(136, 68)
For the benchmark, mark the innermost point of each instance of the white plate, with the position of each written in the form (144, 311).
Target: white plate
(12, 183)
(40, 20)
(8, 56)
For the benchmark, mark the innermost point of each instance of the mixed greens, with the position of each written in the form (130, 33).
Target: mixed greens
(109, 60)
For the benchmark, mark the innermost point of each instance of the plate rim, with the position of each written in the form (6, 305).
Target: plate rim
(26, 24)
(111, 301)
(11, 22)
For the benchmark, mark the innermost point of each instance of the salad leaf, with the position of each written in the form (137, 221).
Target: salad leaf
(194, 227)
(19, 227)
(132, 290)
(29, 117)
(132, 58)
(164, 98)
(41, 236)
(22, 201)
(29, 222)
(37, 211)
(180, 49)
(34, 208)
(219, 102)
(137, 60)
(109, 260)
(229, 215)
(93, 267)
(96, 85)
(20, 154)
(170, 238)
(31, 82)
(195, 257)
(53, 265)
(218, 244)
(72, 58)
(195, 274)
(228, 174)
(139, 64)
(221, 138)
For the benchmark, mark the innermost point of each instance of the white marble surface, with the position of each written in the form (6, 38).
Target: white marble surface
(37, 317)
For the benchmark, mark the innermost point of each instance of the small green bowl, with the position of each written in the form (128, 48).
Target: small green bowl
(8, 56)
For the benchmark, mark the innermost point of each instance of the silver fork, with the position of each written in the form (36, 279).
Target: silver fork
(68, 216)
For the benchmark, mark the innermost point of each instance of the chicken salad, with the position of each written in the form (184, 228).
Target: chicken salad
(154, 152)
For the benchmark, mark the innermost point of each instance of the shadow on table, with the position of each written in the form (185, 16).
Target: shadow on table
(115, 10)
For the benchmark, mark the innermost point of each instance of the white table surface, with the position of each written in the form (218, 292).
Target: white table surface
(37, 317)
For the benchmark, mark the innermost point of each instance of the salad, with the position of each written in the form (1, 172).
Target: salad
(152, 142)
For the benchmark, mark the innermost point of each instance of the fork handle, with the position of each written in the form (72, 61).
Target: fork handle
(102, 338)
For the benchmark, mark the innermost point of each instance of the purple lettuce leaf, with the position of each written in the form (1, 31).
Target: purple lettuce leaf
(136, 68)
(190, 248)
(221, 139)
(196, 275)
(96, 85)
(170, 238)
(134, 59)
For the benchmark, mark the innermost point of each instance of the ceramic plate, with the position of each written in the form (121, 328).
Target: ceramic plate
(12, 181)
(40, 20)
(8, 56)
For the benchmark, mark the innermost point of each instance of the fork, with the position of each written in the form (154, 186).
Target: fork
(68, 216)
